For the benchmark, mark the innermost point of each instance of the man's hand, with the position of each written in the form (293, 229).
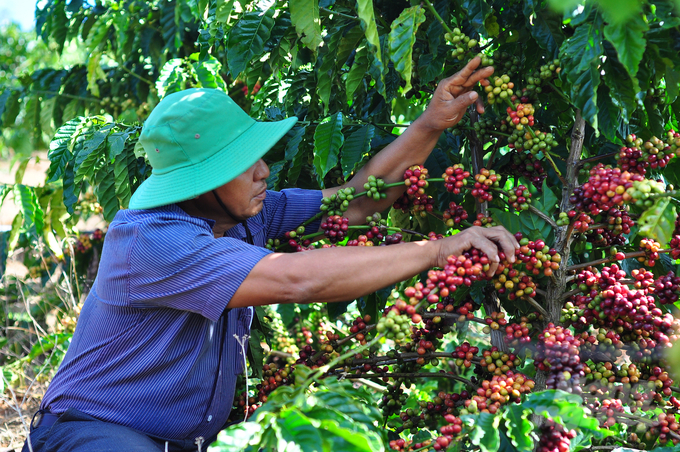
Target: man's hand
(488, 240)
(453, 95)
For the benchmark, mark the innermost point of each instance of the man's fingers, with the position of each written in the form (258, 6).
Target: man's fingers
(480, 105)
(491, 250)
(493, 266)
(469, 68)
(507, 241)
(462, 102)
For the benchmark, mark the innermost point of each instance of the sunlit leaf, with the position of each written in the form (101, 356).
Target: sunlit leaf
(401, 39)
(658, 221)
(628, 40)
(247, 39)
(304, 14)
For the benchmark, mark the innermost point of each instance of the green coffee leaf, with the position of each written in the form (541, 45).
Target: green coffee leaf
(357, 72)
(173, 77)
(208, 73)
(105, 190)
(507, 219)
(357, 144)
(328, 140)
(658, 222)
(401, 39)
(533, 225)
(629, 41)
(89, 155)
(236, 438)
(304, 14)
(223, 10)
(485, 431)
(478, 11)
(247, 39)
(565, 408)
(32, 213)
(520, 429)
(367, 16)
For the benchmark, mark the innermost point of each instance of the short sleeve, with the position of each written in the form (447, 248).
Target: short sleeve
(189, 270)
(286, 210)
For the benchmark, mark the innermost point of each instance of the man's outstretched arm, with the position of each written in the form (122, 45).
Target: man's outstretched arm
(346, 273)
(446, 108)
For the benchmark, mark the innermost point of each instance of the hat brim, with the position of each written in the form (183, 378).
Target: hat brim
(191, 181)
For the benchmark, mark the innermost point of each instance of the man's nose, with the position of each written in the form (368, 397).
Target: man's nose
(262, 170)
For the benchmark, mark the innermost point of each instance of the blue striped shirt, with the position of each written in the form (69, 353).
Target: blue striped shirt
(152, 350)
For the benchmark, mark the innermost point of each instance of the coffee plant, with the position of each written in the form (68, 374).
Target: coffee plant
(565, 349)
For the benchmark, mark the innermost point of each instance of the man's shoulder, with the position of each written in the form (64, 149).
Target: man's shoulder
(169, 216)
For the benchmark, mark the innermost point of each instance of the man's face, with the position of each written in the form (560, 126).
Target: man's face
(244, 195)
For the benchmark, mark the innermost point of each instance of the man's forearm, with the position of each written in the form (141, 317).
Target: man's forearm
(411, 148)
(336, 274)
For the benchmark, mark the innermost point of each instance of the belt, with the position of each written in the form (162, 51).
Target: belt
(43, 419)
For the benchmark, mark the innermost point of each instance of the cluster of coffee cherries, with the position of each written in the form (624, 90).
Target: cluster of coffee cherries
(667, 288)
(607, 410)
(85, 241)
(454, 214)
(498, 87)
(359, 326)
(455, 178)
(464, 354)
(520, 116)
(533, 142)
(335, 228)
(483, 128)
(396, 325)
(415, 179)
(495, 321)
(462, 270)
(606, 188)
(665, 424)
(537, 256)
(642, 191)
(554, 437)
(655, 153)
(526, 165)
(602, 372)
(675, 240)
(497, 362)
(604, 344)
(548, 70)
(273, 377)
(337, 203)
(557, 353)
(377, 227)
(618, 222)
(484, 182)
(499, 390)
(651, 249)
(484, 221)
(465, 310)
(582, 221)
(374, 188)
(509, 63)
(393, 398)
(422, 205)
(519, 197)
(462, 45)
(517, 334)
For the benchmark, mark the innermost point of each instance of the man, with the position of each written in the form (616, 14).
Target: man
(159, 343)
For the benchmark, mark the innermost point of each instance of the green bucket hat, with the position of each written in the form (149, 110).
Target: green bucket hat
(197, 140)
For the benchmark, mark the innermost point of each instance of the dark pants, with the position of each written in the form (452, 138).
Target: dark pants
(76, 431)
